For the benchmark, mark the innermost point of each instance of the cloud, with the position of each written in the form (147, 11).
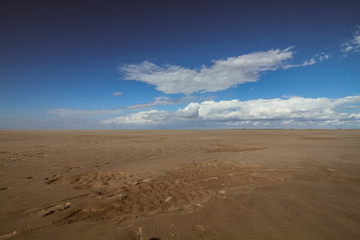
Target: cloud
(222, 74)
(296, 111)
(158, 101)
(117, 94)
(352, 45)
(163, 101)
(319, 57)
(309, 62)
(140, 118)
(77, 113)
(322, 56)
(352, 106)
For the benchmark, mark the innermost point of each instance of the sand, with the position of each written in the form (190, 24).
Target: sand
(193, 184)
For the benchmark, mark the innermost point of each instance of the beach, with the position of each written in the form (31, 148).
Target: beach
(180, 184)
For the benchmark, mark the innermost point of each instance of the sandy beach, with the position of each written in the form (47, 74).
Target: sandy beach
(180, 184)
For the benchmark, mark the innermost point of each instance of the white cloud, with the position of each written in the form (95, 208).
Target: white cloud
(223, 74)
(140, 118)
(160, 101)
(323, 57)
(319, 57)
(352, 106)
(352, 44)
(261, 112)
(163, 101)
(117, 94)
(355, 115)
(66, 112)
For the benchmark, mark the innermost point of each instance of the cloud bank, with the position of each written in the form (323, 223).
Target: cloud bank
(294, 111)
(222, 74)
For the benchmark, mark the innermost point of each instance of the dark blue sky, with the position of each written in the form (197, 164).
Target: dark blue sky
(59, 59)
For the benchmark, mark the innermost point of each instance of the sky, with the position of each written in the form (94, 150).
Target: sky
(179, 64)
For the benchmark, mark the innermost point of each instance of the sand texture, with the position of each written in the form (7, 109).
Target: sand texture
(193, 184)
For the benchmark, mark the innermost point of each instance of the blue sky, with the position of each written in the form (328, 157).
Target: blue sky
(184, 64)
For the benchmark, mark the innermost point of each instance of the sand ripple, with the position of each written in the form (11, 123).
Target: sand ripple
(123, 196)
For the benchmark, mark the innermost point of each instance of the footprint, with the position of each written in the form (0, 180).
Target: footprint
(105, 182)
(221, 195)
(52, 209)
(210, 179)
(200, 228)
(142, 181)
(52, 179)
(70, 169)
(8, 235)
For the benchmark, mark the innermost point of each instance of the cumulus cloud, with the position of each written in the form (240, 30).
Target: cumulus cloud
(352, 44)
(116, 93)
(260, 112)
(222, 74)
(66, 112)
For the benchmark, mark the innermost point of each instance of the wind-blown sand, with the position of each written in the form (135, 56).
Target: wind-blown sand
(194, 184)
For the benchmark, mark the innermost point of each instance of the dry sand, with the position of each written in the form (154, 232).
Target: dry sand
(210, 184)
